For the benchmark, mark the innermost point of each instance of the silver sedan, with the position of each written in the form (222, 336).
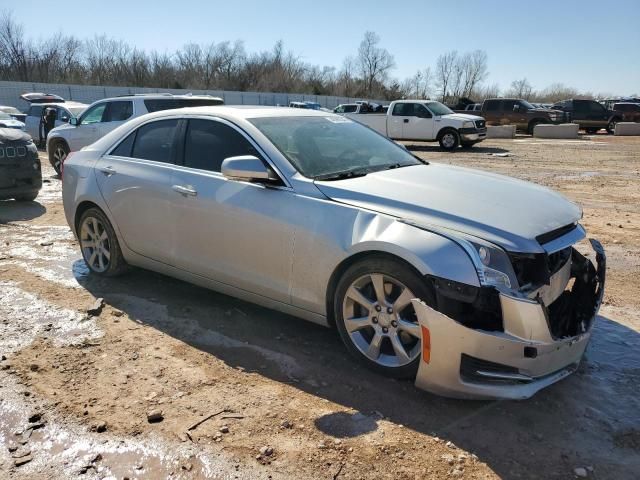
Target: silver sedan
(466, 281)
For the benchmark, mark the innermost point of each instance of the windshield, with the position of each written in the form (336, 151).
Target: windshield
(438, 108)
(322, 147)
(527, 105)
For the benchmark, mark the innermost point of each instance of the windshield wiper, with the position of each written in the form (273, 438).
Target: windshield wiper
(356, 172)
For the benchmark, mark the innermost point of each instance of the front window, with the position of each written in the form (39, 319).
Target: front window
(438, 108)
(94, 115)
(325, 147)
(527, 105)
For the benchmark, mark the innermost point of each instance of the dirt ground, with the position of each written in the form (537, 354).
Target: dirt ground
(249, 393)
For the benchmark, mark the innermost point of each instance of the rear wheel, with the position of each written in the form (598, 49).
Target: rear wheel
(99, 244)
(375, 317)
(57, 155)
(449, 140)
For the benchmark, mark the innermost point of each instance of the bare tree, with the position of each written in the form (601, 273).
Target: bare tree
(14, 48)
(521, 89)
(445, 66)
(374, 62)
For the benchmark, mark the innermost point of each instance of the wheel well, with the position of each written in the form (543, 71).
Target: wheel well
(344, 265)
(83, 207)
(445, 130)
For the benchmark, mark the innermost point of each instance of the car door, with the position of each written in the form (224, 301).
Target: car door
(116, 113)
(581, 114)
(87, 130)
(235, 232)
(598, 115)
(491, 112)
(420, 123)
(396, 120)
(135, 179)
(32, 122)
(62, 116)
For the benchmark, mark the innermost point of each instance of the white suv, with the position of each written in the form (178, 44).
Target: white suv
(103, 116)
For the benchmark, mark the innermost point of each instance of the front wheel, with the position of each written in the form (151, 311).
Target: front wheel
(57, 155)
(99, 244)
(611, 126)
(449, 140)
(375, 317)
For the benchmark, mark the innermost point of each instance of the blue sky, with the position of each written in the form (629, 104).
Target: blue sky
(591, 45)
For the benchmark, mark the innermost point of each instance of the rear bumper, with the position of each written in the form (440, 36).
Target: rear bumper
(515, 363)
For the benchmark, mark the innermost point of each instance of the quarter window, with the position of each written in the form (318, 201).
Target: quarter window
(154, 141)
(208, 143)
(124, 149)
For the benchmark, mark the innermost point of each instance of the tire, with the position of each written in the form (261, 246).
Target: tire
(532, 125)
(611, 126)
(106, 259)
(449, 140)
(591, 131)
(27, 197)
(57, 154)
(353, 300)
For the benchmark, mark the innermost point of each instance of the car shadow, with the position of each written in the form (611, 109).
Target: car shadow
(436, 148)
(570, 424)
(12, 211)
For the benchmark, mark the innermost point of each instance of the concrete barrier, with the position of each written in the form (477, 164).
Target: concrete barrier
(502, 131)
(627, 128)
(564, 130)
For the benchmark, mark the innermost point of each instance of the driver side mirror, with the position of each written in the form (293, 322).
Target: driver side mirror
(248, 168)
(73, 121)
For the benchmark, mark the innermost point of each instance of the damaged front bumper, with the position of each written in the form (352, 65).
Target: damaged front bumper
(526, 356)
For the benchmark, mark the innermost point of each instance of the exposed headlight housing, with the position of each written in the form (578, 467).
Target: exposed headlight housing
(468, 125)
(492, 263)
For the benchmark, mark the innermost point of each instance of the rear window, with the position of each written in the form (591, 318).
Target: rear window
(118, 111)
(492, 105)
(157, 104)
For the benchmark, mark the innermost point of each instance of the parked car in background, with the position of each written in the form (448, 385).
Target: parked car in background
(589, 114)
(14, 112)
(610, 102)
(105, 115)
(628, 112)
(425, 120)
(307, 105)
(20, 172)
(473, 107)
(64, 113)
(7, 121)
(217, 195)
(518, 112)
(346, 108)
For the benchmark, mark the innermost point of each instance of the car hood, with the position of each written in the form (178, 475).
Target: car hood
(462, 116)
(503, 210)
(13, 123)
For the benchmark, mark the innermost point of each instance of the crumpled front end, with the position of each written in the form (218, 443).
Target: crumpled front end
(538, 343)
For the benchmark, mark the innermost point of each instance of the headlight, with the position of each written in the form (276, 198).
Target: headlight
(492, 263)
(467, 125)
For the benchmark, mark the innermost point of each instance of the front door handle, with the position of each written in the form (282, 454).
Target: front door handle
(406, 120)
(108, 171)
(185, 190)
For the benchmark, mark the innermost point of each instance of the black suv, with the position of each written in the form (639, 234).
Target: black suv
(589, 114)
(20, 174)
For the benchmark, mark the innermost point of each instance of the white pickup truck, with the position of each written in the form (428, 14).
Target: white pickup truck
(425, 120)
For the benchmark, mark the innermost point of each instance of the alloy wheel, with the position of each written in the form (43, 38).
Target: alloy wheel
(380, 320)
(59, 154)
(95, 245)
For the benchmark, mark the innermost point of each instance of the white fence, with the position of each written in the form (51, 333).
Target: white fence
(10, 94)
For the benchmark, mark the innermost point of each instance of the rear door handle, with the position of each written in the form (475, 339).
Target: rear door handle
(185, 190)
(108, 171)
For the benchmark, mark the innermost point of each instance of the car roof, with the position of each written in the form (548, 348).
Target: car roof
(250, 111)
(163, 96)
(59, 104)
